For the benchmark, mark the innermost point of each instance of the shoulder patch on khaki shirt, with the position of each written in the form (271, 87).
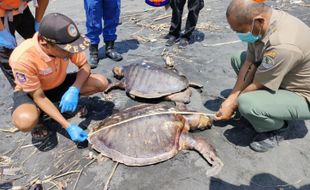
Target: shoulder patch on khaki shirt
(268, 60)
(271, 53)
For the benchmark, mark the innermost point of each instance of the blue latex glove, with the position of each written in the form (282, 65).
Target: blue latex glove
(70, 99)
(76, 133)
(7, 40)
(36, 25)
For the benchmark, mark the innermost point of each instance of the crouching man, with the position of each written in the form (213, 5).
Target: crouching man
(40, 66)
(273, 75)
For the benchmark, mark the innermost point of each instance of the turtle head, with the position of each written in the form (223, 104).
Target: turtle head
(118, 72)
(205, 122)
(199, 122)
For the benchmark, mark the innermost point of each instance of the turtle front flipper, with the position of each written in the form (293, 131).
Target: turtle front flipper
(115, 85)
(205, 149)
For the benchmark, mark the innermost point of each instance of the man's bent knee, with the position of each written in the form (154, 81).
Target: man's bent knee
(25, 117)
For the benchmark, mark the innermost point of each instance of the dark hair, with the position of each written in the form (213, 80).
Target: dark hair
(47, 42)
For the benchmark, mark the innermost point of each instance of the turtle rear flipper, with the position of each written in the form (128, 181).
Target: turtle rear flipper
(192, 84)
(183, 97)
(180, 98)
(195, 85)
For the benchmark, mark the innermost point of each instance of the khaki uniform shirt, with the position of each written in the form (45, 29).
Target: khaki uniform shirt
(283, 55)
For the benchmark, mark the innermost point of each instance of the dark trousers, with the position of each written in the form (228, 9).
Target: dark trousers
(54, 95)
(177, 6)
(24, 25)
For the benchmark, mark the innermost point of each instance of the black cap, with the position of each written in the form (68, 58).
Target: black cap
(61, 30)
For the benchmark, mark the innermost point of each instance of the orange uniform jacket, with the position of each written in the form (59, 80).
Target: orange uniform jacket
(34, 69)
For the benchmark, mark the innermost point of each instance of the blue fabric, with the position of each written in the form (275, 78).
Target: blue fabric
(70, 99)
(36, 26)
(96, 10)
(157, 4)
(7, 40)
(76, 133)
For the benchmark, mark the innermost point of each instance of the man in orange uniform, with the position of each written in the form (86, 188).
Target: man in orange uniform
(39, 67)
(16, 15)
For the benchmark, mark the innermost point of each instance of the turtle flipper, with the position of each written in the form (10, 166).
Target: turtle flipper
(183, 96)
(195, 85)
(115, 85)
(205, 149)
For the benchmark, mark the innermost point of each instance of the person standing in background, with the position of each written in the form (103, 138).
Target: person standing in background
(16, 16)
(95, 11)
(177, 6)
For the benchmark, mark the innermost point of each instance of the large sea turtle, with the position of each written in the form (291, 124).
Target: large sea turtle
(148, 134)
(150, 81)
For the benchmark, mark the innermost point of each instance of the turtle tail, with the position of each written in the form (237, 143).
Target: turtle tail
(205, 149)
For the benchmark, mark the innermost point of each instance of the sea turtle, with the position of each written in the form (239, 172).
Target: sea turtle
(151, 81)
(147, 134)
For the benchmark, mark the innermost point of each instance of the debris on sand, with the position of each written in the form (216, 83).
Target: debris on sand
(9, 130)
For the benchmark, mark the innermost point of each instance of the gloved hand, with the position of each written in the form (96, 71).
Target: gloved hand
(36, 25)
(76, 133)
(7, 40)
(70, 99)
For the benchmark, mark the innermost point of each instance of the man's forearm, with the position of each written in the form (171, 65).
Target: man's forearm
(1, 25)
(252, 87)
(49, 108)
(40, 10)
(82, 76)
(245, 77)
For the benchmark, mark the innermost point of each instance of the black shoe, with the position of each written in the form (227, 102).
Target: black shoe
(167, 36)
(183, 43)
(111, 53)
(171, 40)
(263, 142)
(93, 56)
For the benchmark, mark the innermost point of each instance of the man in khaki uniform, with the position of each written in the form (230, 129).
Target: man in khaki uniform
(273, 83)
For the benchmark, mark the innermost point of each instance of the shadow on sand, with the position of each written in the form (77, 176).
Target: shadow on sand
(242, 133)
(262, 181)
(197, 36)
